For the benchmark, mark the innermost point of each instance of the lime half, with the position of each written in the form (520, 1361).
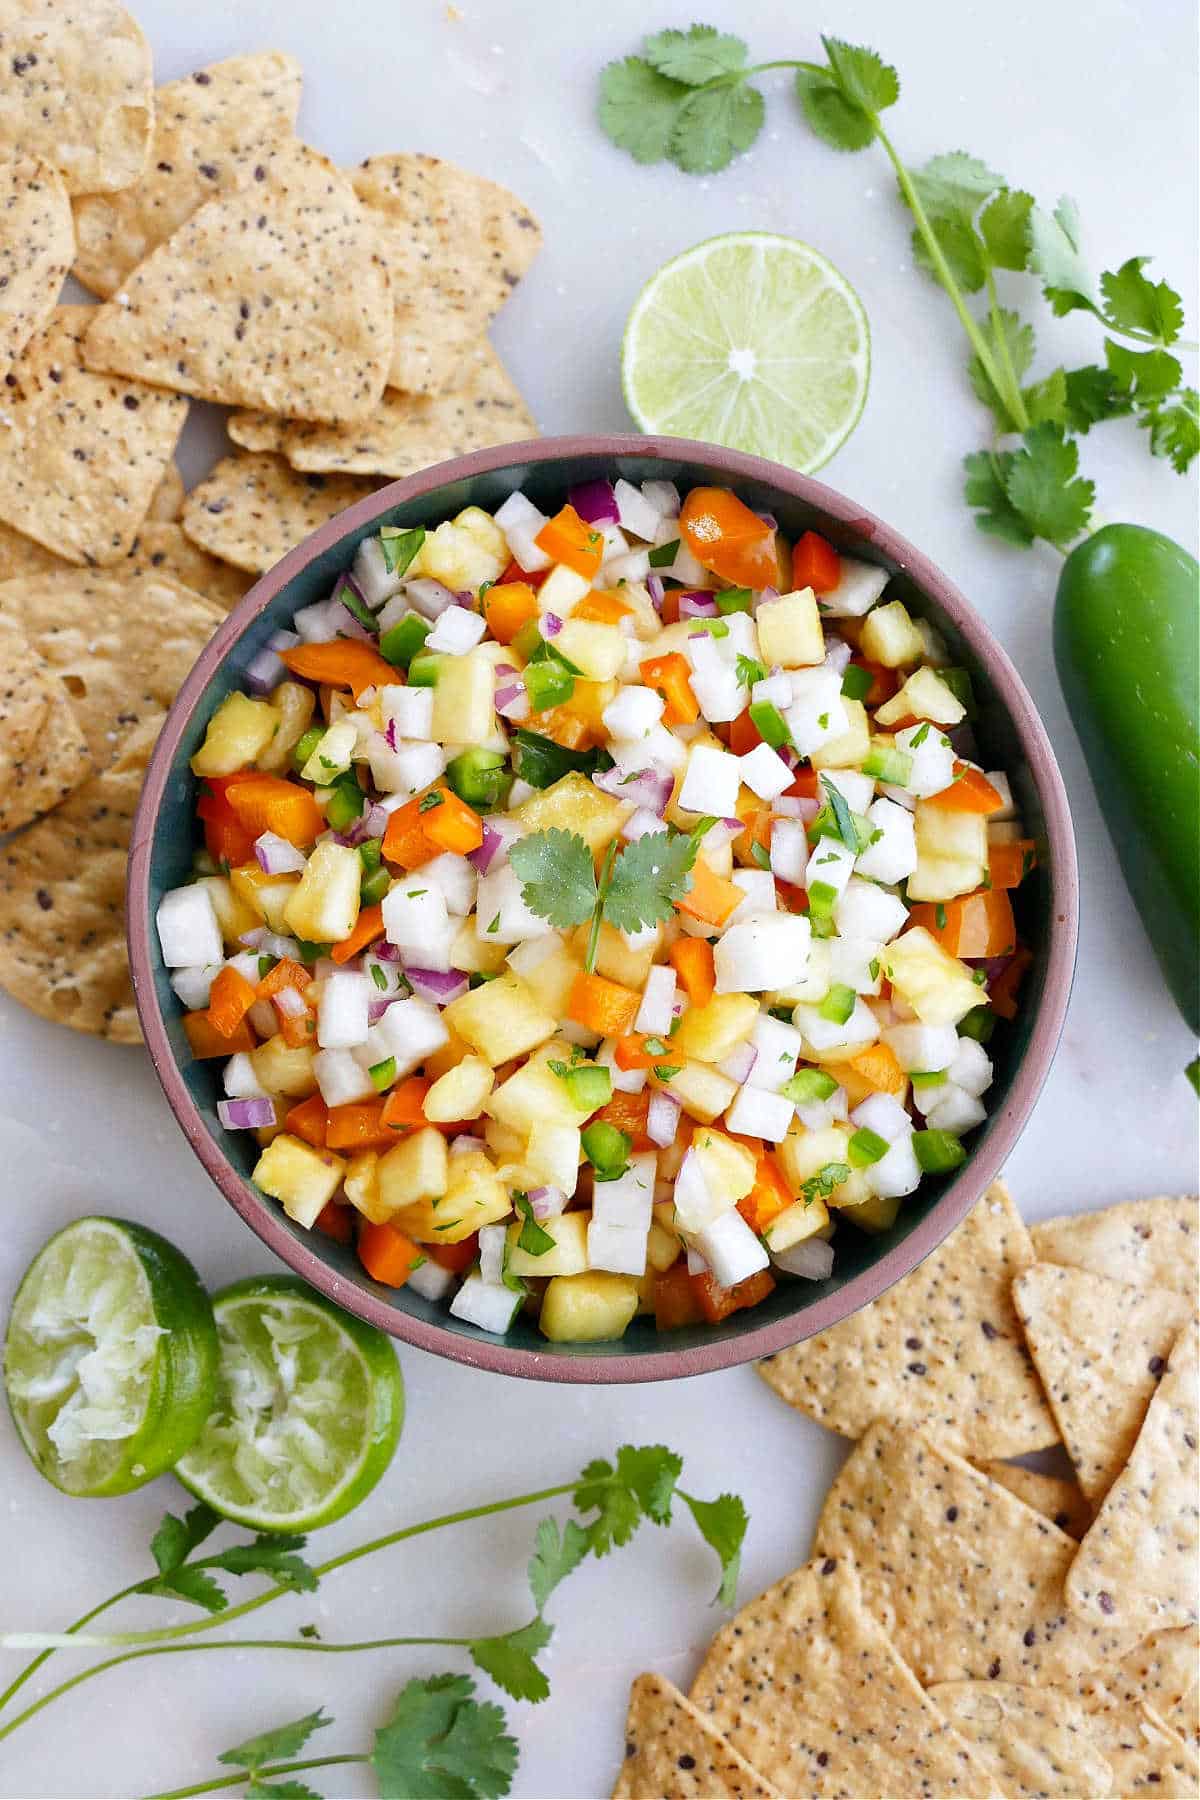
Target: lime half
(750, 340)
(111, 1356)
(309, 1406)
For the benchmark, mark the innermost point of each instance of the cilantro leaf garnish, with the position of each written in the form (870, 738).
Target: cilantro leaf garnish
(533, 1238)
(441, 1741)
(638, 884)
(713, 125)
(695, 56)
(1135, 304)
(284, 1740)
(1043, 485)
(722, 1524)
(638, 108)
(554, 1557)
(843, 817)
(647, 877)
(509, 1659)
(749, 671)
(557, 875)
(820, 1185)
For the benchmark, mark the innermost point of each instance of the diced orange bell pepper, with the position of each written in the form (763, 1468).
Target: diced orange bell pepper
(269, 803)
(1009, 864)
(602, 607)
(879, 1068)
(566, 538)
(404, 1108)
(628, 1113)
(387, 1255)
(453, 825)
(309, 1119)
(296, 1029)
(602, 1005)
(670, 676)
(423, 828)
(287, 973)
(343, 663)
(455, 1257)
(717, 1302)
(368, 928)
(336, 1221)
(358, 1126)
(969, 792)
(1002, 992)
(977, 925)
(631, 1053)
(692, 960)
(815, 563)
(757, 832)
(675, 1302)
(225, 836)
(406, 844)
(229, 1000)
(884, 681)
(508, 606)
(710, 898)
(668, 612)
(725, 536)
(206, 1041)
(744, 734)
(566, 728)
(769, 1196)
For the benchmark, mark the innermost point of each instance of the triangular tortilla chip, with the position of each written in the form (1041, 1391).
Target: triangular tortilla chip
(251, 510)
(1163, 1671)
(943, 1348)
(1137, 1566)
(36, 245)
(410, 431)
(165, 549)
(456, 246)
(673, 1753)
(62, 902)
(1033, 1741)
(1058, 1499)
(20, 555)
(272, 296)
(806, 1684)
(166, 503)
(1148, 1243)
(1100, 1347)
(1145, 1755)
(258, 430)
(76, 89)
(81, 454)
(967, 1581)
(43, 752)
(211, 131)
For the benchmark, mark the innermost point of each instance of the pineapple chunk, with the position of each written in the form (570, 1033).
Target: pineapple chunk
(460, 1092)
(415, 1170)
(534, 1095)
(890, 637)
(550, 981)
(267, 896)
(803, 1152)
(569, 1255)
(943, 877)
(711, 1032)
(588, 1309)
(238, 733)
(729, 1168)
(875, 1214)
(234, 914)
(324, 907)
(615, 959)
(463, 552)
(334, 752)
(474, 1197)
(362, 1187)
(923, 696)
(463, 710)
(938, 987)
(475, 955)
(702, 1092)
(302, 1179)
(576, 805)
(789, 630)
(295, 705)
(552, 1156)
(663, 1243)
(795, 1224)
(599, 650)
(500, 1020)
(952, 850)
(850, 747)
(504, 1143)
(448, 1056)
(284, 1068)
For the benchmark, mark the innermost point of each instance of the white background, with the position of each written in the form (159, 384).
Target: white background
(1094, 101)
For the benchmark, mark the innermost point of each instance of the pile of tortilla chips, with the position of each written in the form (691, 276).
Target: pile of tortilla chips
(343, 314)
(967, 1625)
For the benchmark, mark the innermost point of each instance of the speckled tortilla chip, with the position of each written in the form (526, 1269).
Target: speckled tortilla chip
(165, 549)
(411, 431)
(1100, 1347)
(673, 1753)
(166, 503)
(1058, 1499)
(806, 1684)
(36, 246)
(212, 131)
(1145, 1755)
(456, 246)
(62, 902)
(43, 752)
(121, 643)
(81, 454)
(76, 90)
(943, 1349)
(1137, 1567)
(251, 510)
(967, 1581)
(1033, 1741)
(257, 430)
(20, 555)
(1149, 1243)
(273, 296)
(1163, 1671)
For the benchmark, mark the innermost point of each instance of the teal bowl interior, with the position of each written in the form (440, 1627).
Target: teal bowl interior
(1010, 737)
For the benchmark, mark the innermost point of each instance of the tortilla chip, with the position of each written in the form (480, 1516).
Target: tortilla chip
(257, 430)
(43, 752)
(805, 1683)
(1148, 1243)
(272, 296)
(1137, 1566)
(455, 246)
(673, 1753)
(166, 550)
(76, 90)
(943, 1349)
(166, 502)
(19, 555)
(1145, 1755)
(1058, 1499)
(1163, 1672)
(1032, 1741)
(81, 454)
(251, 510)
(36, 246)
(120, 643)
(1100, 1347)
(211, 131)
(412, 431)
(62, 903)
(967, 1581)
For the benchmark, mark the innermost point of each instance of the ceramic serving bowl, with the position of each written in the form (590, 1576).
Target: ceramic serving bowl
(1011, 736)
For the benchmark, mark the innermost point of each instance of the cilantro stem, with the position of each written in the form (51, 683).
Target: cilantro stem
(86, 1618)
(593, 943)
(1010, 394)
(232, 1779)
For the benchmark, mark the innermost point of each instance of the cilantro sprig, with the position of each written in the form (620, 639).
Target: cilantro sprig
(688, 99)
(638, 883)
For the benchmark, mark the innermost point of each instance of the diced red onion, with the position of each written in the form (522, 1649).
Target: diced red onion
(650, 788)
(641, 824)
(547, 1202)
(812, 1259)
(435, 984)
(290, 1002)
(697, 603)
(375, 820)
(809, 810)
(283, 640)
(739, 1064)
(252, 940)
(385, 951)
(431, 598)
(767, 518)
(837, 655)
(769, 593)
(481, 859)
(787, 806)
(346, 625)
(595, 502)
(264, 672)
(464, 1143)
(377, 1008)
(275, 856)
(662, 1119)
(656, 589)
(246, 1115)
(512, 701)
(464, 597)
(393, 742)
(506, 669)
(696, 1264)
(551, 625)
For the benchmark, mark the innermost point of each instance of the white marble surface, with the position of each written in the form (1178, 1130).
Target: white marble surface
(1095, 102)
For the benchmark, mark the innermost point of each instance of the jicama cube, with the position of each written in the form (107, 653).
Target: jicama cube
(850, 746)
(970, 1067)
(323, 907)
(714, 681)
(657, 1011)
(769, 951)
(589, 1308)
(188, 931)
(778, 1047)
(520, 520)
(457, 879)
(409, 1032)
(925, 1047)
(897, 1172)
(789, 850)
(854, 962)
(758, 885)
(341, 1078)
(789, 630)
(863, 910)
(411, 766)
(830, 1038)
(239, 1079)
(433, 1282)
(633, 712)
(939, 988)
(817, 713)
(620, 1249)
(758, 1113)
(456, 631)
(892, 856)
(409, 709)
(954, 1109)
(882, 1114)
(238, 732)
(856, 789)
(831, 864)
(487, 1305)
(569, 1255)
(342, 1010)
(417, 921)
(711, 783)
(301, 1178)
(731, 1249)
(858, 588)
(764, 772)
(502, 914)
(890, 637)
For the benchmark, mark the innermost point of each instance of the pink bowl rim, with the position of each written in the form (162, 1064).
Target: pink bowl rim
(982, 1166)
